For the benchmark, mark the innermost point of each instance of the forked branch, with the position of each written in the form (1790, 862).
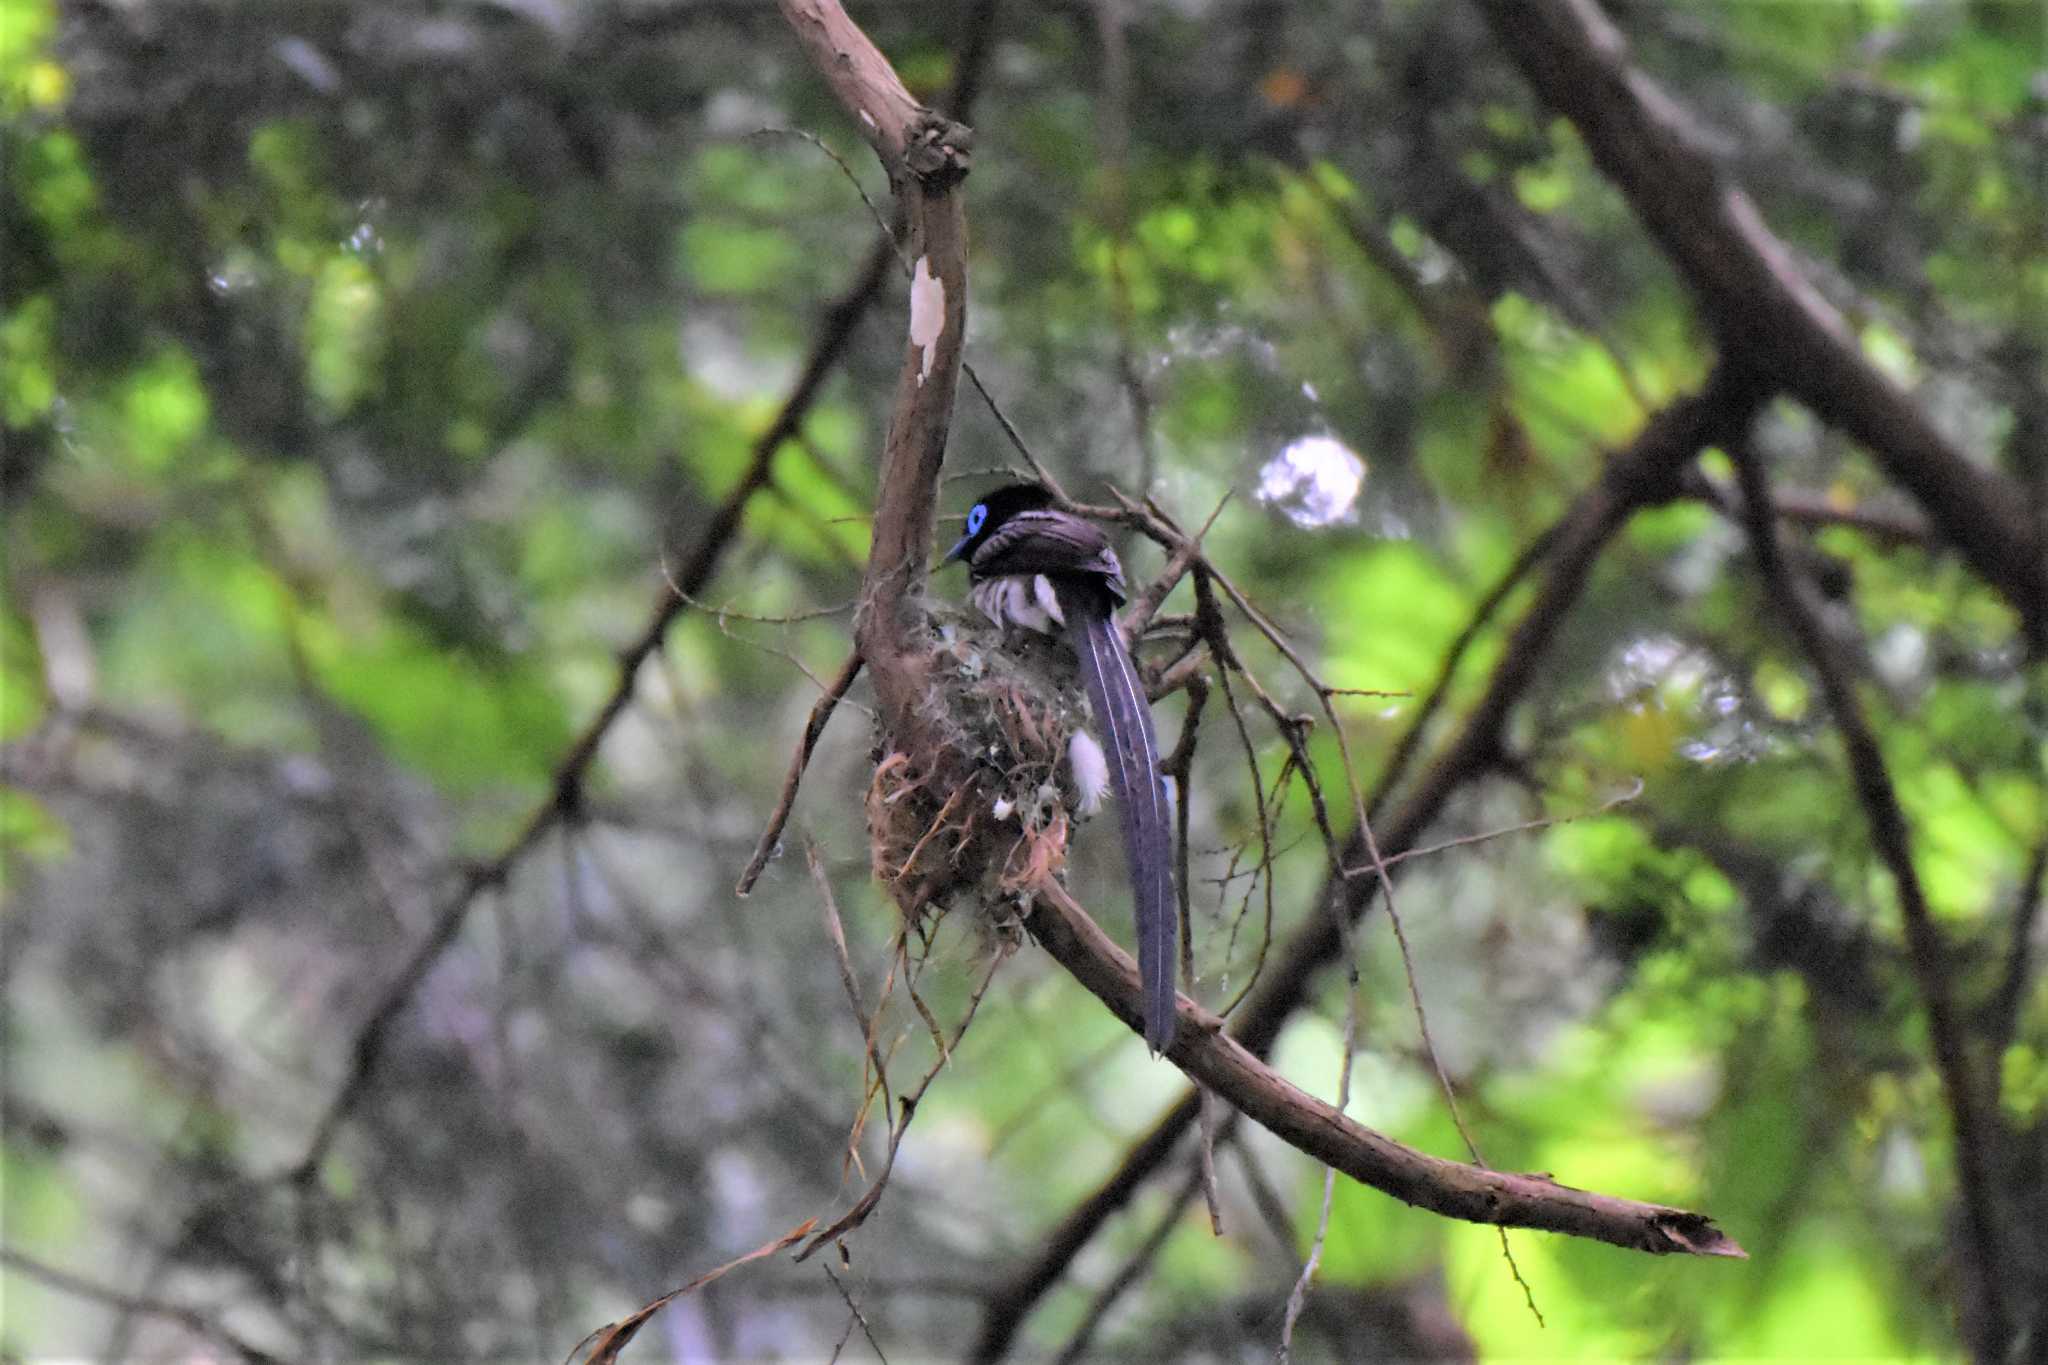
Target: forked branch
(926, 160)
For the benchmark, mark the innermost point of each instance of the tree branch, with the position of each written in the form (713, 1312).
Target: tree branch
(926, 157)
(814, 729)
(1768, 315)
(565, 793)
(1892, 840)
(191, 1319)
(859, 74)
(834, 336)
(1645, 474)
(1453, 1189)
(2012, 992)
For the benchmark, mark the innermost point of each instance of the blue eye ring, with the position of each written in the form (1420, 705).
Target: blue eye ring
(976, 517)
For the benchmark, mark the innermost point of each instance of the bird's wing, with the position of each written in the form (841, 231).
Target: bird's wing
(1048, 541)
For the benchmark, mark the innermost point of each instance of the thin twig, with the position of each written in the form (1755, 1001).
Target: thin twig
(1265, 864)
(1128, 1274)
(1635, 790)
(858, 1316)
(1297, 1297)
(728, 612)
(876, 1081)
(1642, 475)
(189, 1318)
(1180, 766)
(1138, 615)
(1009, 428)
(899, 1124)
(607, 1341)
(835, 336)
(1272, 1209)
(814, 730)
(1206, 1165)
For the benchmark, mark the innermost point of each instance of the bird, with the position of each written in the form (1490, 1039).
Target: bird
(1035, 565)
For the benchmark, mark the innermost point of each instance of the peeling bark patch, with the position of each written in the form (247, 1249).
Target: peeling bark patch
(927, 315)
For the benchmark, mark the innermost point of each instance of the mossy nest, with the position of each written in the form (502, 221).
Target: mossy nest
(985, 808)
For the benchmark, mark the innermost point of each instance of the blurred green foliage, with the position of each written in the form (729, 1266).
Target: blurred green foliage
(368, 371)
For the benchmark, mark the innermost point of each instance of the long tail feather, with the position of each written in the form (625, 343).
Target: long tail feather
(1124, 719)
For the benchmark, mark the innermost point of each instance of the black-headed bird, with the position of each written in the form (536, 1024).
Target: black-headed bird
(1035, 566)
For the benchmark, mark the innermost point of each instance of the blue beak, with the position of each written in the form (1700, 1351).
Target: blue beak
(959, 546)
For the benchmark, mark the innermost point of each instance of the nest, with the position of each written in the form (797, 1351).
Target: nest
(983, 807)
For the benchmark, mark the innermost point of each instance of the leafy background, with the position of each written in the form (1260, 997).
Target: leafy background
(370, 372)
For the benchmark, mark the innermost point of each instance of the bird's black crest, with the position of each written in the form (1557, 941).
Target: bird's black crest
(996, 508)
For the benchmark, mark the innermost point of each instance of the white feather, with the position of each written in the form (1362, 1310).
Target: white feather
(1091, 771)
(1048, 600)
(1015, 600)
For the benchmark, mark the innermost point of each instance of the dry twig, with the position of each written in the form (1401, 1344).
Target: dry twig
(814, 730)
(607, 1341)
(1643, 475)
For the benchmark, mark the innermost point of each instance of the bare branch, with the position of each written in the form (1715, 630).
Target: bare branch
(1768, 314)
(856, 1316)
(1643, 475)
(814, 730)
(565, 793)
(607, 1341)
(859, 74)
(1453, 1189)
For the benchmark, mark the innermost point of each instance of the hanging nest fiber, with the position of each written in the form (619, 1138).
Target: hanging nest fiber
(984, 808)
